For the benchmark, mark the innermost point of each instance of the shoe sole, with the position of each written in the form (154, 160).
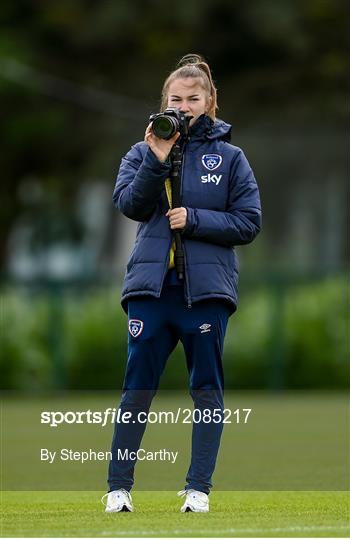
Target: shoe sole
(124, 509)
(189, 509)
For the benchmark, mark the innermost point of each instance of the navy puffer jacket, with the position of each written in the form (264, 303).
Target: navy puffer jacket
(223, 210)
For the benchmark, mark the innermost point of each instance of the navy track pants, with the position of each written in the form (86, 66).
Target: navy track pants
(159, 323)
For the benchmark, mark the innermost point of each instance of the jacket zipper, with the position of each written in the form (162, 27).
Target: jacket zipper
(189, 301)
(165, 269)
(183, 165)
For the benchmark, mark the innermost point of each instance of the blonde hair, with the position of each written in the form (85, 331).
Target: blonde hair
(194, 66)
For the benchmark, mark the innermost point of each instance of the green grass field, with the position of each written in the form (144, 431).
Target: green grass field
(289, 465)
(247, 514)
(292, 442)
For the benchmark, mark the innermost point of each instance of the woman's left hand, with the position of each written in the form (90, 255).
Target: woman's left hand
(177, 218)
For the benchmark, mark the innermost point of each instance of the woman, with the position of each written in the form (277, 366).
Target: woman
(220, 208)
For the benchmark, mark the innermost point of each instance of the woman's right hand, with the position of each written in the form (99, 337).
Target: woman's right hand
(160, 147)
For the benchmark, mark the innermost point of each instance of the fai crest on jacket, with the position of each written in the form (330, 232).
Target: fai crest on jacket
(135, 327)
(211, 161)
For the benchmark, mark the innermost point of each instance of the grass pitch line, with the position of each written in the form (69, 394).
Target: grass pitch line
(230, 530)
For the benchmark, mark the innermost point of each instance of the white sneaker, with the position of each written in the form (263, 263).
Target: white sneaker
(196, 501)
(118, 501)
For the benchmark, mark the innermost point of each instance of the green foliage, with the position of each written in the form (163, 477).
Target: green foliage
(247, 344)
(25, 356)
(95, 327)
(293, 337)
(317, 326)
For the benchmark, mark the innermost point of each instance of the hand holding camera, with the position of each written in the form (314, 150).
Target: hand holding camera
(164, 130)
(160, 147)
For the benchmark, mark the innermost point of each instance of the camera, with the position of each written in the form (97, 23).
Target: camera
(169, 122)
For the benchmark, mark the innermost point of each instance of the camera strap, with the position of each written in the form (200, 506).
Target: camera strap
(175, 181)
(173, 245)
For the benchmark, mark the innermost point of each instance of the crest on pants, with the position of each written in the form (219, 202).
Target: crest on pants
(135, 327)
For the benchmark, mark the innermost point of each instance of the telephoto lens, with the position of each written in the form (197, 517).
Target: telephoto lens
(165, 127)
(167, 123)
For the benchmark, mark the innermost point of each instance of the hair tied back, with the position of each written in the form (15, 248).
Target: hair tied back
(189, 59)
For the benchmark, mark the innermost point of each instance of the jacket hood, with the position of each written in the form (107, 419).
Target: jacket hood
(206, 128)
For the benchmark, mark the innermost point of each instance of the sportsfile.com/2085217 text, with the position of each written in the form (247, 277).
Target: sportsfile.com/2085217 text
(119, 416)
